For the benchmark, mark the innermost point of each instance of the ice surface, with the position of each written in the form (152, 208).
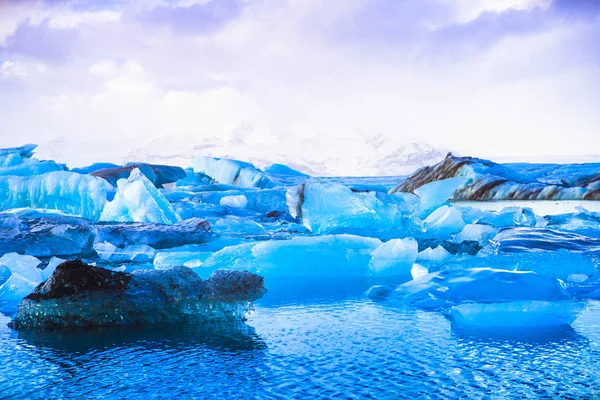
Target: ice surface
(436, 193)
(477, 233)
(444, 222)
(138, 200)
(234, 201)
(440, 290)
(280, 169)
(232, 172)
(69, 192)
(435, 255)
(336, 208)
(517, 314)
(24, 276)
(318, 256)
(132, 253)
(51, 267)
(394, 258)
(159, 175)
(79, 295)
(44, 234)
(490, 181)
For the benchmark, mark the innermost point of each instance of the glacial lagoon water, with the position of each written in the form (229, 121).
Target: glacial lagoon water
(319, 344)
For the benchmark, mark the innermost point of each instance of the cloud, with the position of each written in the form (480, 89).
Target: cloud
(487, 77)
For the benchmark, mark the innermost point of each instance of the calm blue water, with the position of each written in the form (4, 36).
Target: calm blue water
(321, 345)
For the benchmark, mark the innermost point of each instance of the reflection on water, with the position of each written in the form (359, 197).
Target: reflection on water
(336, 346)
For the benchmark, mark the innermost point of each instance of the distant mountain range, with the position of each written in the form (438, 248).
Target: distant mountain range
(378, 156)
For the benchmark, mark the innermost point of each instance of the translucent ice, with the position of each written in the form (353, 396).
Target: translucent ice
(232, 172)
(477, 233)
(317, 256)
(439, 290)
(437, 193)
(336, 208)
(24, 276)
(394, 258)
(51, 267)
(444, 222)
(516, 314)
(138, 200)
(435, 255)
(234, 201)
(69, 192)
(133, 253)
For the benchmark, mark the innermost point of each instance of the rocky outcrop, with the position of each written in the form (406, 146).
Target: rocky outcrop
(80, 295)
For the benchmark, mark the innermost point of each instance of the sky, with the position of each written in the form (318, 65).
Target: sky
(514, 79)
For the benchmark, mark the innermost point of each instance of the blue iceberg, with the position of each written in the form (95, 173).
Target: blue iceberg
(232, 172)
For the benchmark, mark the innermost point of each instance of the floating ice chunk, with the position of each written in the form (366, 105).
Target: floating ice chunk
(517, 314)
(334, 207)
(280, 169)
(232, 172)
(511, 216)
(439, 290)
(444, 222)
(106, 298)
(69, 192)
(158, 236)
(436, 255)
(577, 278)
(51, 267)
(234, 201)
(169, 259)
(436, 193)
(477, 233)
(133, 253)
(314, 256)
(394, 258)
(138, 200)
(24, 276)
(418, 271)
(23, 265)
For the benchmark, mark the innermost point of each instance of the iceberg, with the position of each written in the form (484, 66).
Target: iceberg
(335, 208)
(43, 233)
(317, 256)
(157, 236)
(232, 172)
(239, 201)
(444, 222)
(80, 295)
(487, 180)
(394, 258)
(517, 314)
(24, 276)
(481, 234)
(138, 200)
(159, 175)
(72, 193)
(280, 169)
(132, 253)
(436, 255)
(444, 289)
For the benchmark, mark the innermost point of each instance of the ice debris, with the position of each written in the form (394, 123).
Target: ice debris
(138, 200)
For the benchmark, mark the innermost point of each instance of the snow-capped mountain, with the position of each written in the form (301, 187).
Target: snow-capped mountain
(377, 155)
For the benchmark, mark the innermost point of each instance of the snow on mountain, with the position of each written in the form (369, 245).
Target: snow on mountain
(378, 156)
